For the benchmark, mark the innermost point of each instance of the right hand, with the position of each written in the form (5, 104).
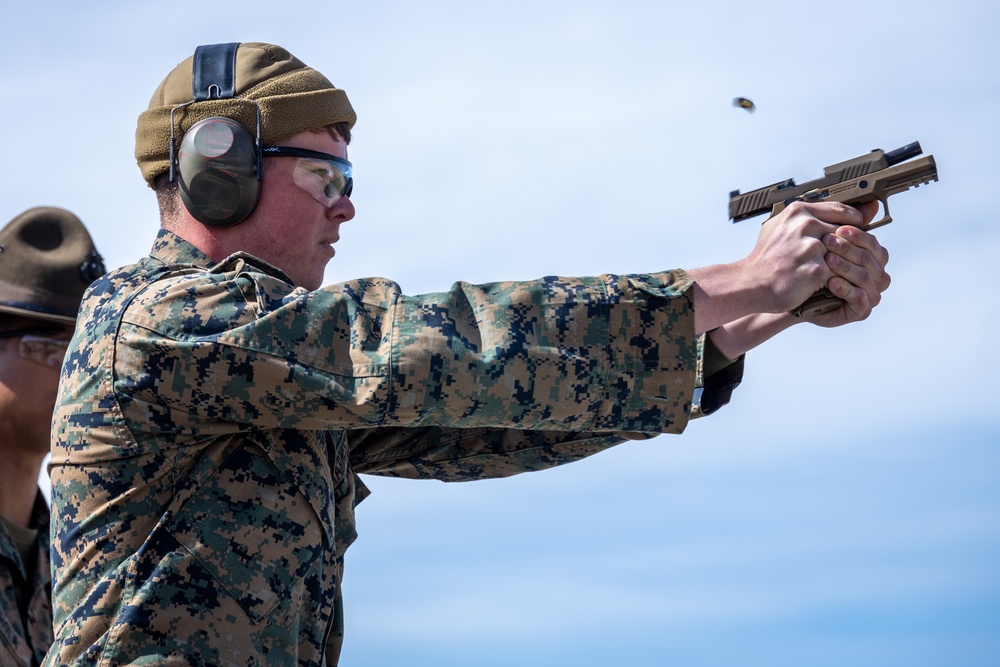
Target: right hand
(790, 260)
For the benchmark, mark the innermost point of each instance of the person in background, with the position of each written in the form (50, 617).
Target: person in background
(47, 259)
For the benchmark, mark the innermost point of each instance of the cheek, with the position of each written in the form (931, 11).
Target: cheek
(47, 383)
(35, 392)
(288, 212)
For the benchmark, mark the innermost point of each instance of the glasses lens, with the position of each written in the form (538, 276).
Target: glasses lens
(326, 181)
(46, 351)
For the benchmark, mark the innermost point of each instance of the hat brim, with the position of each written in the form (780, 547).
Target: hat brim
(38, 314)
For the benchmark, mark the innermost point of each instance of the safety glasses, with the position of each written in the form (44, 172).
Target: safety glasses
(325, 177)
(41, 349)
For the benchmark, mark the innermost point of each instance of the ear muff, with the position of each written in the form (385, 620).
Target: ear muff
(218, 161)
(217, 172)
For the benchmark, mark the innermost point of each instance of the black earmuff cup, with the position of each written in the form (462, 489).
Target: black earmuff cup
(217, 172)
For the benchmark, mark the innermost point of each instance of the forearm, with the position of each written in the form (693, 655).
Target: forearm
(725, 293)
(746, 333)
(607, 353)
(732, 303)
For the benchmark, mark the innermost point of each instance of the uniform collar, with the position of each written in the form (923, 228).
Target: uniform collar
(172, 250)
(39, 521)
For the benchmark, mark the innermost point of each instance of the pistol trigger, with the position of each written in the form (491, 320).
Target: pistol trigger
(886, 219)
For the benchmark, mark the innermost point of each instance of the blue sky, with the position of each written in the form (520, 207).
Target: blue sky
(844, 509)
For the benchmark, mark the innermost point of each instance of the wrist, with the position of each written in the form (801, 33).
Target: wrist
(736, 338)
(724, 293)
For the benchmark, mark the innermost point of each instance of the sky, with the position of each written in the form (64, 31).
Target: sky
(843, 509)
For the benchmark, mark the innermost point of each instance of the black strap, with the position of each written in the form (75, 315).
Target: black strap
(719, 386)
(214, 71)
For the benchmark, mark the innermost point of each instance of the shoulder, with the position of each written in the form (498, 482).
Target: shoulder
(181, 300)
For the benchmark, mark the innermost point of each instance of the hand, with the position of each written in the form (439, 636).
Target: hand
(789, 263)
(857, 261)
(790, 259)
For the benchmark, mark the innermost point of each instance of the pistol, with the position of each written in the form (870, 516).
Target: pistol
(873, 176)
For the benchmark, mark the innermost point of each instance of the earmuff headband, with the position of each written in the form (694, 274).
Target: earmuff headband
(219, 164)
(214, 73)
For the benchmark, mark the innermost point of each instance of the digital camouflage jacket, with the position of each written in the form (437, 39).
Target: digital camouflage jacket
(24, 643)
(212, 420)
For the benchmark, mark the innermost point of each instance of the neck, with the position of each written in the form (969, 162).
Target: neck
(19, 486)
(209, 241)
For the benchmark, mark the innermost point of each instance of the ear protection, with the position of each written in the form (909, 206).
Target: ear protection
(218, 162)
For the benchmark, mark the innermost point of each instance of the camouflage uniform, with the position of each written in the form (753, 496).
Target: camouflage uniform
(24, 642)
(212, 421)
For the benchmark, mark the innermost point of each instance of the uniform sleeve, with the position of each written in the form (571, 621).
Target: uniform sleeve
(718, 377)
(602, 354)
(459, 455)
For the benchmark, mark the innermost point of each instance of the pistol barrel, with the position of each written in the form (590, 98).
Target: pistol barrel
(903, 153)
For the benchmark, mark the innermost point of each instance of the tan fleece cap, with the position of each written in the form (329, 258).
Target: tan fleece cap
(293, 98)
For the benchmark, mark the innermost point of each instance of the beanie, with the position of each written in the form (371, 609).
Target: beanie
(293, 98)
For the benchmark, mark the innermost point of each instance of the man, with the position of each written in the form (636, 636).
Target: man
(46, 261)
(217, 403)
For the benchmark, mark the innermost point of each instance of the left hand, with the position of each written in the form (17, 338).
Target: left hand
(858, 262)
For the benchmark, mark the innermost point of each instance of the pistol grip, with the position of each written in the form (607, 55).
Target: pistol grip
(821, 302)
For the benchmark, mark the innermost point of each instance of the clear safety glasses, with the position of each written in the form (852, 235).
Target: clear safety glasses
(326, 177)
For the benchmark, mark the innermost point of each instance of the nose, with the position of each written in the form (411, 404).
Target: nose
(341, 211)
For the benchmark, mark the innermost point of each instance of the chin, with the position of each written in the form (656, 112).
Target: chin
(311, 285)
(310, 279)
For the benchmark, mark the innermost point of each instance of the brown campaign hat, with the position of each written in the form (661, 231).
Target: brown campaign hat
(47, 260)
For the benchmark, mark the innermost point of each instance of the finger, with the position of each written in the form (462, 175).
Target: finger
(857, 304)
(845, 237)
(868, 211)
(858, 276)
(860, 290)
(836, 213)
(863, 250)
